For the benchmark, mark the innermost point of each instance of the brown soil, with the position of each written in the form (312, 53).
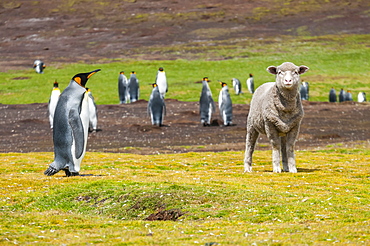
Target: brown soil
(127, 128)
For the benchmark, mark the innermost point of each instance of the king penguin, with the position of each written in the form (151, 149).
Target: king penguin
(250, 83)
(70, 129)
(156, 106)
(54, 97)
(93, 112)
(361, 97)
(341, 95)
(134, 88)
(237, 86)
(225, 105)
(206, 104)
(332, 95)
(161, 81)
(123, 89)
(39, 66)
(303, 91)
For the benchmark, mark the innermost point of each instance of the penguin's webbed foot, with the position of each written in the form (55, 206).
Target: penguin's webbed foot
(51, 171)
(69, 174)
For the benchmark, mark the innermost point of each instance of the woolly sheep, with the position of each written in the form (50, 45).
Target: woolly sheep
(276, 110)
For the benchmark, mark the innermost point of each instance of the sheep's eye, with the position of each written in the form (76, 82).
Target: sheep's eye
(280, 73)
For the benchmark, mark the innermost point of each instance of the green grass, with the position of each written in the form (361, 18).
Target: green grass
(327, 201)
(334, 61)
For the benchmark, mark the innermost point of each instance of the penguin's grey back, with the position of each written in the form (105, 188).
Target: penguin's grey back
(133, 88)
(156, 107)
(206, 104)
(123, 89)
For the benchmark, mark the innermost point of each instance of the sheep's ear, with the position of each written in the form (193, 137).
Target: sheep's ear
(303, 69)
(272, 69)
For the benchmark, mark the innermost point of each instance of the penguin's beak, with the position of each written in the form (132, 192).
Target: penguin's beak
(92, 73)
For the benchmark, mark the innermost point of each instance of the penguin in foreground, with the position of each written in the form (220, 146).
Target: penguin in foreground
(134, 89)
(156, 106)
(361, 97)
(39, 66)
(206, 104)
(332, 95)
(123, 89)
(225, 105)
(54, 97)
(161, 81)
(70, 129)
(237, 86)
(250, 83)
(93, 112)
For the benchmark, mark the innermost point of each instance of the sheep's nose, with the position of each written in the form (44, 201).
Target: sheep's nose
(288, 80)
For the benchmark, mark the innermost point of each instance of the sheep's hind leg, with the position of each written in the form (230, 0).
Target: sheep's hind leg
(250, 144)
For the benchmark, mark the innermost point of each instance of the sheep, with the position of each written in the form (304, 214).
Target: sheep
(276, 110)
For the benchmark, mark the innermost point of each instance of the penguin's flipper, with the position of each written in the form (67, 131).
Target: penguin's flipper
(164, 108)
(51, 171)
(77, 131)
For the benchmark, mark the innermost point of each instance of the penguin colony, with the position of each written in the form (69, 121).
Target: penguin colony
(345, 96)
(73, 113)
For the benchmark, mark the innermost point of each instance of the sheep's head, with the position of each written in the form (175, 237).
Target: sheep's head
(287, 74)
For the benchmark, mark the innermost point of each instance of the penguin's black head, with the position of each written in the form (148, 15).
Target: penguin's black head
(222, 84)
(161, 69)
(154, 85)
(82, 78)
(206, 79)
(250, 75)
(133, 72)
(122, 72)
(56, 84)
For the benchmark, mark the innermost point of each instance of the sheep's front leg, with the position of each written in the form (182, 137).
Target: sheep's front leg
(275, 141)
(284, 156)
(290, 143)
(250, 144)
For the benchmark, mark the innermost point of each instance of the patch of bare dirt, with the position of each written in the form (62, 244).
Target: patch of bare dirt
(61, 31)
(127, 128)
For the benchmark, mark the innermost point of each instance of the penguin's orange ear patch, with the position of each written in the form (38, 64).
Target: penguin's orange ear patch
(78, 80)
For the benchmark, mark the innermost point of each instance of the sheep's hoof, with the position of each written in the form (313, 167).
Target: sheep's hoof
(247, 169)
(277, 170)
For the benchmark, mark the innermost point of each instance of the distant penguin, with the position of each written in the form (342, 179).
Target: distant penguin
(361, 97)
(304, 91)
(161, 81)
(225, 105)
(250, 83)
(341, 95)
(156, 106)
(123, 88)
(39, 66)
(93, 112)
(348, 96)
(237, 86)
(206, 104)
(332, 95)
(134, 88)
(71, 123)
(307, 90)
(54, 97)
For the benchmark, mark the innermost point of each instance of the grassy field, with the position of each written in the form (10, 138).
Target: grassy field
(326, 202)
(334, 61)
